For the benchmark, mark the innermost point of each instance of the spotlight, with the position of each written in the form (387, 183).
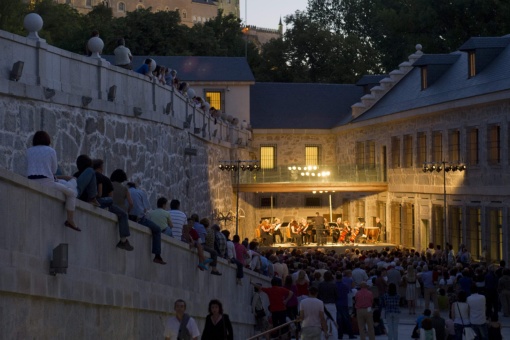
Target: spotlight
(294, 167)
(290, 168)
(242, 167)
(425, 168)
(227, 167)
(462, 167)
(302, 174)
(249, 167)
(299, 168)
(233, 168)
(222, 167)
(432, 167)
(455, 167)
(439, 168)
(447, 168)
(16, 71)
(256, 167)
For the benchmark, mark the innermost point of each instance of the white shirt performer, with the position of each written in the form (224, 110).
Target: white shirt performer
(173, 328)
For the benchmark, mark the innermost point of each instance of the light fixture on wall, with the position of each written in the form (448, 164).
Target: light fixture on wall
(16, 71)
(59, 262)
(112, 92)
(445, 167)
(236, 166)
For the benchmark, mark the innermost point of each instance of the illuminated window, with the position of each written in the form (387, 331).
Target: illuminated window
(370, 154)
(454, 146)
(408, 151)
(268, 157)
(395, 152)
(216, 98)
(471, 64)
(472, 146)
(421, 146)
(312, 155)
(495, 252)
(437, 146)
(424, 83)
(121, 7)
(493, 145)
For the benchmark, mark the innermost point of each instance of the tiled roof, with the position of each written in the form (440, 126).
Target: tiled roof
(485, 42)
(371, 79)
(192, 68)
(301, 106)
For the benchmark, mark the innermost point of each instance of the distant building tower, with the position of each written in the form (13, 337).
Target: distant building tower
(280, 27)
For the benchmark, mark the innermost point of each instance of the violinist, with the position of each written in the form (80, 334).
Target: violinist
(305, 230)
(346, 232)
(265, 229)
(295, 232)
(276, 230)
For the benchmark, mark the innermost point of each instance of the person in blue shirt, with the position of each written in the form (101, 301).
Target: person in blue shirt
(145, 69)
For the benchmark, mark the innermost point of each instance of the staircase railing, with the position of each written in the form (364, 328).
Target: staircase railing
(272, 330)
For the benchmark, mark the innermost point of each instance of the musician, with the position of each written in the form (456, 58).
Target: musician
(265, 230)
(345, 235)
(276, 230)
(379, 225)
(306, 231)
(319, 227)
(295, 232)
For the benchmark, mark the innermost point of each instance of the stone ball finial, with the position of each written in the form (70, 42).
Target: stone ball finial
(33, 23)
(153, 65)
(191, 93)
(95, 46)
(418, 47)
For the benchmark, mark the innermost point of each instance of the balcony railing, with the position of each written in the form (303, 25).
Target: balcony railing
(322, 174)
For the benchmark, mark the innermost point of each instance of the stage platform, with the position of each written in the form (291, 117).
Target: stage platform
(337, 247)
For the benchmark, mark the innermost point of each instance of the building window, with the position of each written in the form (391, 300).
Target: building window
(396, 227)
(395, 152)
(216, 98)
(268, 157)
(360, 154)
(370, 154)
(454, 146)
(88, 3)
(121, 7)
(474, 231)
(495, 252)
(493, 145)
(472, 146)
(423, 71)
(408, 224)
(312, 155)
(421, 146)
(471, 64)
(408, 151)
(265, 202)
(437, 146)
(455, 218)
(313, 202)
(437, 224)
(184, 14)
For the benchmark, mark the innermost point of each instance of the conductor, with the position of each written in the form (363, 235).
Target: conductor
(319, 228)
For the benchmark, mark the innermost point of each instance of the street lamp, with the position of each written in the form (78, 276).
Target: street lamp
(237, 166)
(444, 167)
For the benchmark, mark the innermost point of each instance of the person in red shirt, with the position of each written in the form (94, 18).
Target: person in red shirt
(278, 298)
(364, 300)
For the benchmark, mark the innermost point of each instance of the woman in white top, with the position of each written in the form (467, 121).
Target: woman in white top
(460, 314)
(42, 166)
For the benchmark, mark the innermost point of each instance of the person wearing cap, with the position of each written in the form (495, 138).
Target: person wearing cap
(311, 314)
(364, 300)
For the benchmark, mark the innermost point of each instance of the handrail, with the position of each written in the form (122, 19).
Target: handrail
(272, 330)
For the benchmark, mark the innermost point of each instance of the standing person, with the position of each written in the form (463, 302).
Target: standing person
(232, 256)
(292, 304)
(161, 216)
(439, 325)
(343, 318)
(379, 225)
(178, 218)
(181, 326)
(42, 166)
(105, 194)
(429, 285)
(328, 294)
(208, 245)
(477, 318)
(427, 332)
(123, 56)
(278, 298)
(319, 228)
(217, 324)
(311, 313)
(390, 302)
(140, 208)
(258, 310)
(504, 291)
(410, 280)
(460, 314)
(364, 300)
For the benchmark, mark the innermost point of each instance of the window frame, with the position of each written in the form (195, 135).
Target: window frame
(437, 146)
(264, 162)
(308, 158)
(494, 144)
(408, 151)
(395, 152)
(221, 93)
(421, 148)
(454, 145)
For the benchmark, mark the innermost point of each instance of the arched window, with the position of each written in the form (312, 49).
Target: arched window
(184, 14)
(121, 7)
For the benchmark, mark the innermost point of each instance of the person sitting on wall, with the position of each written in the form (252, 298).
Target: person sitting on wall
(86, 180)
(178, 218)
(105, 199)
(123, 56)
(208, 245)
(161, 216)
(137, 213)
(190, 236)
(145, 69)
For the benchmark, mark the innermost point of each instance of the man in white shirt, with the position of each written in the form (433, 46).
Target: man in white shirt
(477, 317)
(359, 275)
(173, 328)
(311, 313)
(178, 219)
(123, 55)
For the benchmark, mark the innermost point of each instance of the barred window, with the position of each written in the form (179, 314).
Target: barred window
(268, 157)
(454, 146)
(216, 98)
(408, 151)
(421, 146)
(395, 152)
(493, 145)
(437, 146)
(472, 146)
(312, 155)
(370, 154)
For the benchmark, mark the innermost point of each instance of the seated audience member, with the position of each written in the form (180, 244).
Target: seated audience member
(86, 180)
(190, 236)
(161, 216)
(123, 56)
(232, 257)
(178, 218)
(145, 69)
(105, 199)
(137, 213)
(42, 166)
(208, 245)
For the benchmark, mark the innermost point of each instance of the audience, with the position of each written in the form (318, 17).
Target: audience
(161, 216)
(123, 56)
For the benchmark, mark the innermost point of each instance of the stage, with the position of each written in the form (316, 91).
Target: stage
(337, 247)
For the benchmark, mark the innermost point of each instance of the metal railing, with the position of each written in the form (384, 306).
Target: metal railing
(263, 334)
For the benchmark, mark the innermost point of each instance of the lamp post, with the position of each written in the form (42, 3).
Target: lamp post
(445, 167)
(237, 166)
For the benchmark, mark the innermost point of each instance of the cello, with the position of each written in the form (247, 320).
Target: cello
(345, 231)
